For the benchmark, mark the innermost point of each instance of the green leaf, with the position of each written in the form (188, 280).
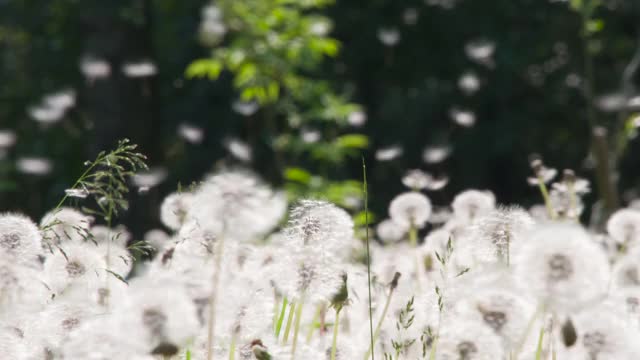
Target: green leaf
(594, 26)
(360, 219)
(353, 141)
(298, 175)
(204, 68)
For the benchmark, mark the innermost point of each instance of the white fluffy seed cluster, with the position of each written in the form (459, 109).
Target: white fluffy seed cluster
(481, 282)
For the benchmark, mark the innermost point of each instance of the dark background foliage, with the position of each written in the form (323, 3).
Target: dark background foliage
(524, 105)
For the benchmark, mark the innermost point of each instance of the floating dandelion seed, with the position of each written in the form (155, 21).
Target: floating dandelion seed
(463, 118)
(480, 51)
(191, 133)
(7, 138)
(469, 83)
(94, 68)
(143, 68)
(46, 114)
(389, 36)
(436, 154)
(357, 118)
(149, 178)
(410, 16)
(245, 108)
(34, 165)
(61, 100)
(389, 153)
(238, 149)
(310, 136)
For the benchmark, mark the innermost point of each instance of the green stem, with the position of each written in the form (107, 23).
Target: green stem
(232, 347)
(366, 219)
(213, 298)
(296, 329)
(545, 195)
(281, 317)
(532, 320)
(289, 321)
(432, 354)
(336, 326)
(413, 236)
(379, 325)
(540, 340)
(316, 318)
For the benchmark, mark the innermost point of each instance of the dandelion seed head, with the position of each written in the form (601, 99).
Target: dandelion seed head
(20, 239)
(410, 209)
(319, 226)
(470, 205)
(624, 226)
(357, 118)
(46, 114)
(390, 232)
(480, 50)
(562, 265)
(174, 209)
(7, 139)
(464, 118)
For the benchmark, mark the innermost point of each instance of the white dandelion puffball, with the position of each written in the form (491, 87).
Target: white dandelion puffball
(239, 149)
(80, 265)
(469, 83)
(240, 202)
(20, 240)
(562, 266)
(480, 50)
(469, 340)
(174, 209)
(471, 204)
(410, 209)
(626, 270)
(496, 235)
(390, 231)
(464, 118)
(61, 100)
(65, 224)
(245, 108)
(320, 227)
(624, 226)
(357, 118)
(605, 334)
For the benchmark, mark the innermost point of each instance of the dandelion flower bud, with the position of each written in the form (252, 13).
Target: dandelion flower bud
(624, 226)
(471, 204)
(20, 239)
(562, 266)
(410, 209)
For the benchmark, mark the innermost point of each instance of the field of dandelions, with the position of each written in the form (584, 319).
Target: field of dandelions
(238, 273)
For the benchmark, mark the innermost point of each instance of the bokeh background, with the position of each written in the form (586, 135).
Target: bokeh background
(301, 90)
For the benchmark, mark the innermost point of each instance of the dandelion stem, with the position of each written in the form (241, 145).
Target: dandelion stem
(289, 321)
(336, 326)
(232, 347)
(529, 327)
(213, 298)
(281, 317)
(432, 354)
(316, 318)
(384, 314)
(540, 340)
(545, 195)
(296, 329)
(366, 219)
